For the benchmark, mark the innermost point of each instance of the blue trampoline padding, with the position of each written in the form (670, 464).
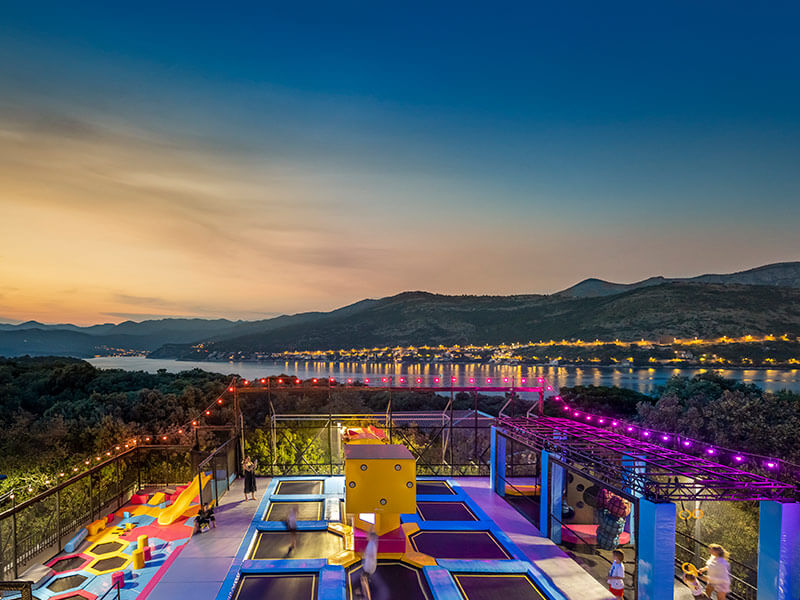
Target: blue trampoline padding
(505, 541)
(281, 525)
(484, 566)
(296, 497)
(77, 539)
(442, 585)
(441, 497)
(545, 584)
(283, 565)
(454, 526)
(332, 583)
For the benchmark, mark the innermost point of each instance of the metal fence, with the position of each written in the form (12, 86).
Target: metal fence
(448, 443)
(36, 529)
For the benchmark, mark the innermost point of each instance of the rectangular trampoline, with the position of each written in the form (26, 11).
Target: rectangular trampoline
(445, 511)
(458, 545)
(287, 586)
(434, 488)
(289, 488)
(310, 544)
(306, 511)
(490, 586)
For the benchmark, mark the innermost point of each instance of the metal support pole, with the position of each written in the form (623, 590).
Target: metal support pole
(2, 560)
(139, 468)
(227, 473)
(14, 536)
(58, 521)
(475, 432)
(119, 485)
(330, 440)
(389, 412)
(91, 497)
(452, 439)
(541, 403)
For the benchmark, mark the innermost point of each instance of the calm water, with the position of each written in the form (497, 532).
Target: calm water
(639, 379)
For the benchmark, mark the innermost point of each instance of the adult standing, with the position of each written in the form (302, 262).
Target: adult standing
(249, 468)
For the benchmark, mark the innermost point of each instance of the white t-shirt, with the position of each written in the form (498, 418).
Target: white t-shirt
(617, 570)
(719, 570)
(370, 559)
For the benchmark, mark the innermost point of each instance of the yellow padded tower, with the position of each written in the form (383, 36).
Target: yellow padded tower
(380, 480)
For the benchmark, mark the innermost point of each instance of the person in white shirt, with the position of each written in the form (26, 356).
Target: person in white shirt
(718, 572)
(369, 563)
(616, 575)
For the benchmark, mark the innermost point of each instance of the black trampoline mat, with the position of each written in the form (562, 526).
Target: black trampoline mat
(445, 511)
(439, 488)
(68, 564)
(310, 544)
(107, 547)
(284, 586)
(306, 511)
(459, 545)
(490, 586)
(392, 581)
(66, 583)
(286, 488)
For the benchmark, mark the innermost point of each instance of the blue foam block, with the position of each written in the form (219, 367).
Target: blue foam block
(72, 545)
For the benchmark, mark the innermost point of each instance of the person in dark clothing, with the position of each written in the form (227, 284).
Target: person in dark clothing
(249, 468)
(205, 518)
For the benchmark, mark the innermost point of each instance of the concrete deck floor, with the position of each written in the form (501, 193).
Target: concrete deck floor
(198, 571)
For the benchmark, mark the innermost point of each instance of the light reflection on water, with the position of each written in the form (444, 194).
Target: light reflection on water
(643, 380)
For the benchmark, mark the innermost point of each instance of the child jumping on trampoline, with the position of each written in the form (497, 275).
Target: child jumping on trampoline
(616, 575)
(291, 525)
(369, 563)
(718, 571)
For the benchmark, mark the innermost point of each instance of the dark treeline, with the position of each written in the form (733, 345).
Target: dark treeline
(54, 411)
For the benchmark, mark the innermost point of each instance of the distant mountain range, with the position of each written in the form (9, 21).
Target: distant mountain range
(785, 274)
(758, 301)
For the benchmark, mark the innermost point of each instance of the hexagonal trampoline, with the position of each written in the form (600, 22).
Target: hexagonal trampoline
(112, 563)
(69, 563)
(62, 584)
(107, 548)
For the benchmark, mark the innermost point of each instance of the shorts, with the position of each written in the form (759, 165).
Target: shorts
(721, 586)
(617, 591)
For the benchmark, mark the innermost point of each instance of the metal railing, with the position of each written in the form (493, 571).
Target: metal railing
(744, 579)
(448, 443)
(34, 530)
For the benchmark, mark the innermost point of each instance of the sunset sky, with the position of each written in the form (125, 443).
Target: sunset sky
(244, 161)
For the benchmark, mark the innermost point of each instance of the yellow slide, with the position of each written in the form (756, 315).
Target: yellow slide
(182, 502)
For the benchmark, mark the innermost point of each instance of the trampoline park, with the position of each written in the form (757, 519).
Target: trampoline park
(452, 550)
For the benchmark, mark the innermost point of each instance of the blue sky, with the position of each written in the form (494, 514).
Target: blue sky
(256, 159)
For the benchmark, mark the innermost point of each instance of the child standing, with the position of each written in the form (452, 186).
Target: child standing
(718, 571)
(616, 575)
